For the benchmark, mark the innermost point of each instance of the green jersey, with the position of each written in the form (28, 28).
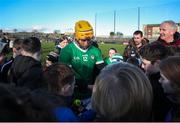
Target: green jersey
(107, 60)
(82, 61)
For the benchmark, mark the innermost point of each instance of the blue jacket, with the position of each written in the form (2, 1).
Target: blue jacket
(65, 114)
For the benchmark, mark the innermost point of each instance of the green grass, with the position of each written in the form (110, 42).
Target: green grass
(47, 47)
(105, 48)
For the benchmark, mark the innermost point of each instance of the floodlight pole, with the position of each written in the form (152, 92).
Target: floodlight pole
(114, 21)
(138, 18)
(95, 25)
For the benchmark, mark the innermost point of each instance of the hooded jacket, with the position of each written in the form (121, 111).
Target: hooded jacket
(26, 72)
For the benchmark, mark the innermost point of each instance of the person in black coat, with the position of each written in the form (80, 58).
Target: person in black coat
(5, 68)
(152, 54)
(26, 70)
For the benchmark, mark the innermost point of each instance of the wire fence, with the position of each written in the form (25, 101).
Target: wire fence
(126, 21)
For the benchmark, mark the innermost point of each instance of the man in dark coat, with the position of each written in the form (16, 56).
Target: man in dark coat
(26, 69)
(169, 36)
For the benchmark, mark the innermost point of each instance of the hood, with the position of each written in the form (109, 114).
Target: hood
(177, 36)
(22, 64)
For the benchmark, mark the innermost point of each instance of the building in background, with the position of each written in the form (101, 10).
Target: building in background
(152, 30)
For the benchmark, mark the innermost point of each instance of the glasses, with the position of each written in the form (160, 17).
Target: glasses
(84, 40)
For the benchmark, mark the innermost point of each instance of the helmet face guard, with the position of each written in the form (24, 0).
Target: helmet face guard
(82, 43)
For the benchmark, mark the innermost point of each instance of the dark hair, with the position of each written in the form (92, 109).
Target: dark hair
(63, 38)
(113, 49)
(154, 51)
(57, 75)
(134, 61)
(53, 57)
(94, 43)
(137, 32)
(18, 104)
(170, 68)
(17, 43)
(31, 44)
(169, 64)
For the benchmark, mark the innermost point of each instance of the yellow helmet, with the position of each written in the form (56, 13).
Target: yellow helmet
(83, 30)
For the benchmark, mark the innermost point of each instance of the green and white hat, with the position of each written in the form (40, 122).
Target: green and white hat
(117, 58)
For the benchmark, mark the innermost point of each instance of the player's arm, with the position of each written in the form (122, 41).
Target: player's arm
(100, 64)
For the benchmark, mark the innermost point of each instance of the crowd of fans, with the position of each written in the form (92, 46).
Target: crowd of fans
(77, 84)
